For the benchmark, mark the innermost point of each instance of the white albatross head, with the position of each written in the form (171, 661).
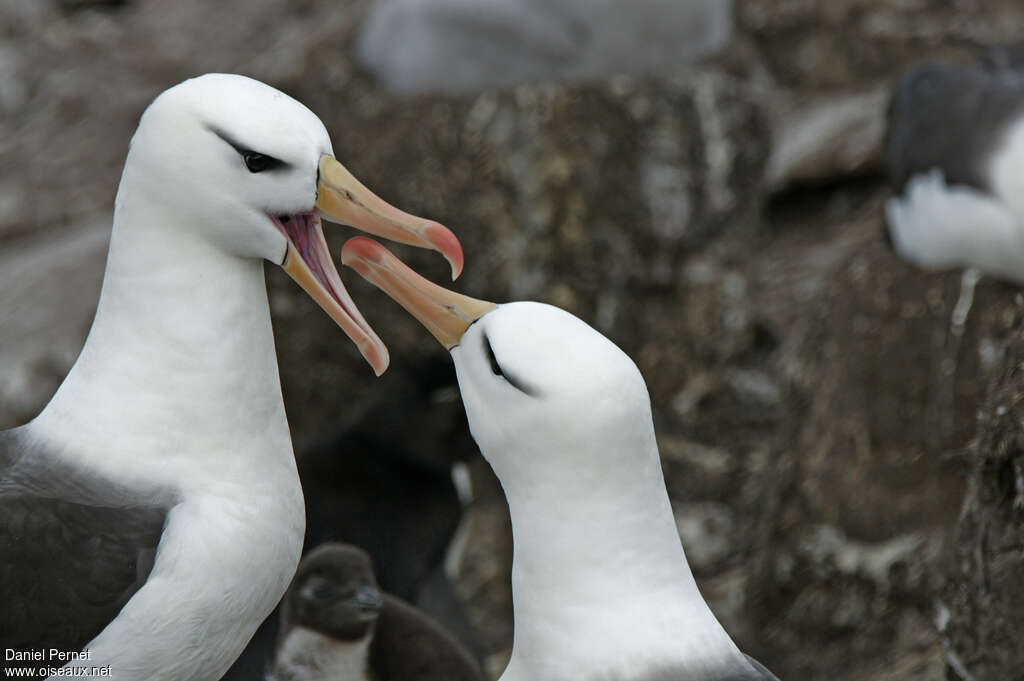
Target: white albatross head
(524, 371)
(250, 171)
(537, 380)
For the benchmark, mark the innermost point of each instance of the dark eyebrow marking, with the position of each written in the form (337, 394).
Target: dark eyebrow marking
(227, 139)
(277, 163)
(498, 370)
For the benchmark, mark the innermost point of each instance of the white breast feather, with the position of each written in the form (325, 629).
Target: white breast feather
(938, 226)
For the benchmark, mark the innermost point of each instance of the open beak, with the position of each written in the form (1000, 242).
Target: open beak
(446, 314)
(342, 198)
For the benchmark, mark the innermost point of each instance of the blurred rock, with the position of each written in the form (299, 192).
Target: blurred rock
(1005, 58)
(20, 17)
(71, 5)
(757, 387)
(480, 562)
(849, 45)
(48, 292)
(705, 529)
(13, 89)
(465, 46)
(827, 549)
(983, 601)
(827, 141)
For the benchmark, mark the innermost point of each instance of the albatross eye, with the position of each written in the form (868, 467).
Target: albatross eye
(257, 163)
(254, 160)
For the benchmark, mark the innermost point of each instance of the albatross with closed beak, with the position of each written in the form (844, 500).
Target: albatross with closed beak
(151, 514)
(601, 587)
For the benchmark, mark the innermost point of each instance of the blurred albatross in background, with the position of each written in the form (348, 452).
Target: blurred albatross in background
(457, 46)
(956, 154)
(152, 512)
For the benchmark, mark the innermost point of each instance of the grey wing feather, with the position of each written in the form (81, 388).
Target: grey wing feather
(949, 117)
(66, 567)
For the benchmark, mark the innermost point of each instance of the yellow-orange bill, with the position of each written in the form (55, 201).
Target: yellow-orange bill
(321, 281)
(446, 314)
(342, 198)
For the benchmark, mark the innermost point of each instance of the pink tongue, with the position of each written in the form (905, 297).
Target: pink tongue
(313, 247)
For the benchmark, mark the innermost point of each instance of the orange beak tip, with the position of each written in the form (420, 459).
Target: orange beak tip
(359, 249)
(445, 241)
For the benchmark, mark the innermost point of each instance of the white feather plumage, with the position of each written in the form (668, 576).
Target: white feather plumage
(601, 586)
(938, 226)
(175, 398)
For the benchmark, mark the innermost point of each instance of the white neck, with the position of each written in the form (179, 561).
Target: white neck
(600, 583)
(176, 396)
(180, 360)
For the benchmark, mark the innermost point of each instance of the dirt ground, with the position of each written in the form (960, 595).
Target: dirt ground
(815, 410)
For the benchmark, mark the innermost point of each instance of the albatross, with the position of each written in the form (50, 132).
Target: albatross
(956, 154)
(151, 515)
(467, 46)
(600, 583)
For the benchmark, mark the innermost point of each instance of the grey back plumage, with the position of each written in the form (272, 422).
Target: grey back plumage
(67, 564)
(949, 117)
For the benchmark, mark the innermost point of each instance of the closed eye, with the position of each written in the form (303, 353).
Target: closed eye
(501, 373)
(495, 367)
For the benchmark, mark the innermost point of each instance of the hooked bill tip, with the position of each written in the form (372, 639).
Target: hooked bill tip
(361, 248)
(448, 245)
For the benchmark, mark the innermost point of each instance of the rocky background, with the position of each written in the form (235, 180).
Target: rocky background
(843, 456)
